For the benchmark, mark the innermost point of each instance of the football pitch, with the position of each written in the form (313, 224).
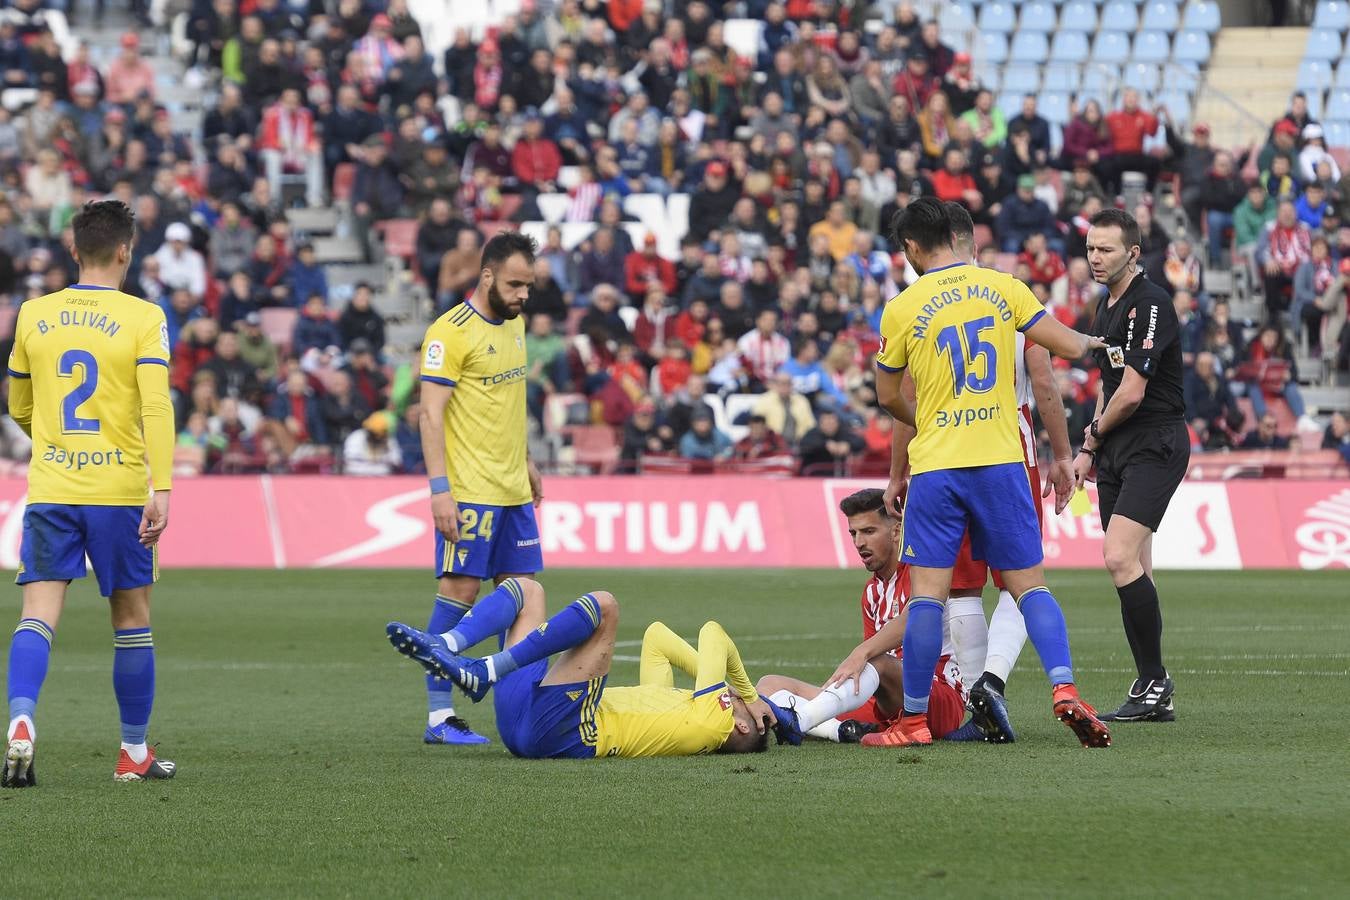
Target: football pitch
(297, 731)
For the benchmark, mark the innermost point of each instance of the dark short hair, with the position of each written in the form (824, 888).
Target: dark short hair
(100, 228)
(962, 225)
(506, 244)
(864, 501)
(925, 222)
(1118, 218)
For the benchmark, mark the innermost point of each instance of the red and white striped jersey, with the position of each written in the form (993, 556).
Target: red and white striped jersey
(882, 600)
(1022, 386)
(763, 356)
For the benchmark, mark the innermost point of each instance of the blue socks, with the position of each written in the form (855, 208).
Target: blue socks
(134, 681)
(573, 624)
(491, 615)
(446, 614)
(922, 649)
(28, 654)
(1049, 635)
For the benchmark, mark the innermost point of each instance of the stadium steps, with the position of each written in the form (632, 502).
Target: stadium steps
(338, 250)
(313, 221)
(1255, 67)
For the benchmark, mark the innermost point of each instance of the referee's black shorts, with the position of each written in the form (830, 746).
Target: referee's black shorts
(1138, 471)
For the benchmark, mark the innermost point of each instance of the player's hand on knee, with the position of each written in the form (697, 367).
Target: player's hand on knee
(445, 515)
(849, 670)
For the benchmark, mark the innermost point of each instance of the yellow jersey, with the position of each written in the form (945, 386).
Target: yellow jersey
(955, 329)
(89, 380)
(655, 718)
(484, 361)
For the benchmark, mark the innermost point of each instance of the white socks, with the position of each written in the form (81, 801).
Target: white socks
(827, 730)
(14, 724)
(437, 716)
(450, 641)
(1007, 636)
(833, 702)
(137, 752)
(970, 635)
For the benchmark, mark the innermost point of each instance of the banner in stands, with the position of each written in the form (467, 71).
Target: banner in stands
(719, 522)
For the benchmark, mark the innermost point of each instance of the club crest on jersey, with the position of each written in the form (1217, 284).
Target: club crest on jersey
(724, 699)
(519, 343)
(883, 344)
(434, 357)
(1116, 356)
(164, 336)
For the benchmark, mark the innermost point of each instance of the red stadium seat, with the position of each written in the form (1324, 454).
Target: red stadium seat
(344, 178)
(278, 323)
(596, 447)
(400, 237)
(984, 236)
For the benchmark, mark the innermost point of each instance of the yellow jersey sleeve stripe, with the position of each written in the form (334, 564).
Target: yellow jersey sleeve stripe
(16, 374)
(881, 365)
(720, 686)
(150, 360)
(1034, 319)
(435, 379)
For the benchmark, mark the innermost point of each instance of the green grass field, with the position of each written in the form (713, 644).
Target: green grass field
(297, 731)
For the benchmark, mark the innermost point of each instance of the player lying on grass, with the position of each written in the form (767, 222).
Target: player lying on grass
(875, 698)
(564, 710)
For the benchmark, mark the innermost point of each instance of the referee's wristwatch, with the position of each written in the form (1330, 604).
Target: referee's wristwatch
(1092, 430)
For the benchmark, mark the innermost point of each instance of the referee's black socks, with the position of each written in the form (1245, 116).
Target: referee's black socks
(1143, 626)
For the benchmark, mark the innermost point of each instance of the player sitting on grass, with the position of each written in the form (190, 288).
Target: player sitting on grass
(564, 710)
(876, 697)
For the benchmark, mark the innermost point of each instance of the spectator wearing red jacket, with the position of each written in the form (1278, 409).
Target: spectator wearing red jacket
(916, 83)
(535, 160)
(761, 443)
(290, 145)
(655, 324)
(644, 269)
(1129, 125)
(1046, 265)
(954, 181)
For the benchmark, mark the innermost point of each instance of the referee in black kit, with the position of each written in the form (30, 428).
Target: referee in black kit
(1137, 443)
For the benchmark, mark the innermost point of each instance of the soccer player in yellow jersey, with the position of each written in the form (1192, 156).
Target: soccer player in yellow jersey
(89, 380)
(483, 485)
(954, 330)
(565, 710)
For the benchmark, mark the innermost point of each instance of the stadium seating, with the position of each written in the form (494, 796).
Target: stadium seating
(1192, 47)
(1201, 15)
(1161, 15)
(955, 18)
(1029, 47)
(997, 17)
(1037, 16)
(1069, 47)
(993, 46)
(1313, 75)
(1141, 76)
(1333, 14)
(1054, 106)
(1078, 15)
(1324, 44)
(1060, 76)
(1023, 78)
(1151, 47)
(1111, 47)
(1338, 105)
(1120, 15)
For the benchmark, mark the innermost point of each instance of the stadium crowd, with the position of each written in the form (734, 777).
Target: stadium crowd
(794, 160)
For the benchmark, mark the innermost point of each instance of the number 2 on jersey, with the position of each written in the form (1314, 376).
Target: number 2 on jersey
(965, 357)
(71, 423)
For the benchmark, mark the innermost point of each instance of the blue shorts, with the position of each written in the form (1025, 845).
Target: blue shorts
(58, 536)
(493, 540)
(992, 501)
(554, 721)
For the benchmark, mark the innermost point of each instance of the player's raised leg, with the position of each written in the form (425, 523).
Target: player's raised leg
(819, 710)
(29, 653)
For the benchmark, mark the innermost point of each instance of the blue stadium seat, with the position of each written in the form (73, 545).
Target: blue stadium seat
(1313, 75)
(1037, 16)
(1111, 47)
(1343, 76)
(1057, 76)
(1178, 103)
(1010, 102)
(988, 75)
(1333, 14)
(1323, 44)
(956, 17)
(993, 46)
(1120, 15)
(1336, 133)
(1069, 46)
(1315, 104)
(1054, 107)
(1191, 46)
(1078, 15)
(1141, 76)
(1338, 105)
(1029, 47)
(1161, 15)
(1025, 79)
(997, 17)
(1201, 15)
(1151, 46)
(1100, 78)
